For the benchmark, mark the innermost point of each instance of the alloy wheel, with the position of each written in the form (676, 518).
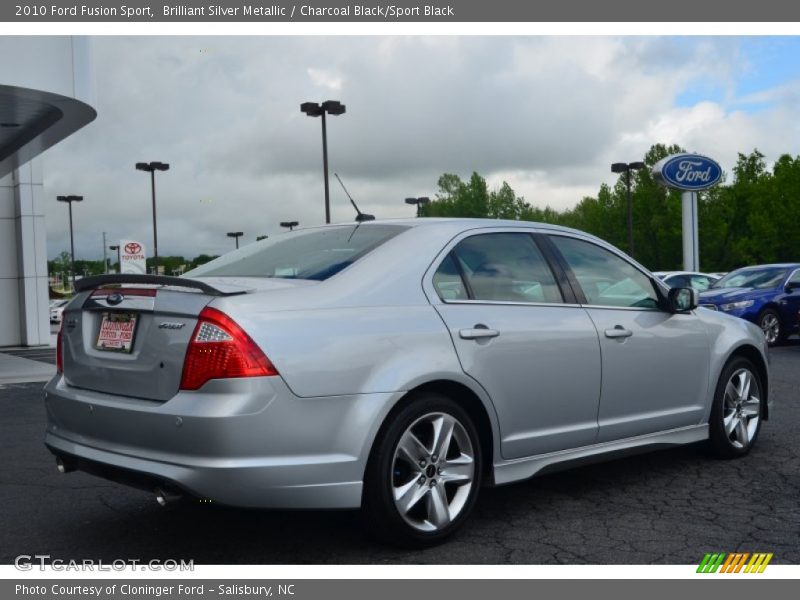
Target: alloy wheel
(433, 471)
(771, 326)
(741, 408)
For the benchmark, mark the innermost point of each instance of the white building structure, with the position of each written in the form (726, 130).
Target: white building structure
(46, 94)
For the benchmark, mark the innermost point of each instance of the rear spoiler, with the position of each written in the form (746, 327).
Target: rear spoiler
(95, 281)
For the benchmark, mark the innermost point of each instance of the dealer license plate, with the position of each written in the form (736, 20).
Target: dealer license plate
(116, 332)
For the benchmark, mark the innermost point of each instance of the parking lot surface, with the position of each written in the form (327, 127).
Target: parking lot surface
(667, 507)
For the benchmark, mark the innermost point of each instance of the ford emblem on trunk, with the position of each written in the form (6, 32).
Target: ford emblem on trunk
(115, 298)
(689, 172)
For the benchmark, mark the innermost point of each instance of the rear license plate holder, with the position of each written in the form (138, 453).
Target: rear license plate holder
(117, 332)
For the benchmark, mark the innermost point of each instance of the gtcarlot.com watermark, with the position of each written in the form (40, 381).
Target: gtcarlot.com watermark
(28, 562)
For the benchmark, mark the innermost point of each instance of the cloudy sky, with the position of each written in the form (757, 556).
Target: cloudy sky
(546, 114)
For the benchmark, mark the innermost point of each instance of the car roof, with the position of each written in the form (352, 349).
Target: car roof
(771, 265)
(671, 273)
(464, 224)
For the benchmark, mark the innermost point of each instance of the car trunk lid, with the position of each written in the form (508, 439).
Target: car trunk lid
(128, 334)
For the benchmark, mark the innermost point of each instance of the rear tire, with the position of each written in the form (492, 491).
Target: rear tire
(424, 473)
(737, 410)
(770, 322)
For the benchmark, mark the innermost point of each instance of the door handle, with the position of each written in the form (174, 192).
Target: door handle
(478, 332)
(618, 332)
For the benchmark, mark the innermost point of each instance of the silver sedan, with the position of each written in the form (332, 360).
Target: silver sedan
(395, 366)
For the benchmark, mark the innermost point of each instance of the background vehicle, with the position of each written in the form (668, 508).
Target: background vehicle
(57, 309)
(768, 295)
(699, 281)
(396, 366)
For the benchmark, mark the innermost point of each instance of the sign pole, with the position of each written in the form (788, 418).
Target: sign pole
(691, 252)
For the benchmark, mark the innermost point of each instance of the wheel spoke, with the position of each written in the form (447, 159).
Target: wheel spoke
(412, 449)
(407, 496)
(750, 408)
(438, 512)
(746, 379)
(442, 434)
(730, 393)
(742, 434)
(730, 423)
(457, 470)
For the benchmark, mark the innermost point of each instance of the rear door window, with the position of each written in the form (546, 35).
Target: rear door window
(504, 267)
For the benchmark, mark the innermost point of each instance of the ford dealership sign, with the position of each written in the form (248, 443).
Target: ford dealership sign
(689, 172)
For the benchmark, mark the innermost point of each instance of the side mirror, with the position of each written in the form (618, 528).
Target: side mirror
(792, 286)
(683, 299)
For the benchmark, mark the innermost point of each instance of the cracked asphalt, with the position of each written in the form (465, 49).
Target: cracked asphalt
(667, 507)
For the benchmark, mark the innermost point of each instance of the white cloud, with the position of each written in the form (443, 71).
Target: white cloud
(547, 114)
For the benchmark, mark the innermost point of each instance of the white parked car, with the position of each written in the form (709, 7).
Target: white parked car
(57, 309)
(676, 279)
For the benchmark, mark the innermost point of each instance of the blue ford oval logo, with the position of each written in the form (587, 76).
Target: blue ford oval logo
(690, 172)
(115, 298)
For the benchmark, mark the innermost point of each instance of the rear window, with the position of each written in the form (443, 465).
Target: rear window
(304, 254)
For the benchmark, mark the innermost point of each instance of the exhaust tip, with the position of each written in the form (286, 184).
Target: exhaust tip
(165, 497)
(62, 466)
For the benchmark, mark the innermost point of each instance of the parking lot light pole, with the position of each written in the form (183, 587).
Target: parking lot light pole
(420, 202)
(69, 200)
(290, 225)
(236, 235)
(151, 168)
(313, 109)
(627, 168)
(116, 249)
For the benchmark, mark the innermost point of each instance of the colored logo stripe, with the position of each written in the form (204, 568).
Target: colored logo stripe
(711, 562)
(735, 563)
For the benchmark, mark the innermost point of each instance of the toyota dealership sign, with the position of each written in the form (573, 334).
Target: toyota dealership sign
(132, 258)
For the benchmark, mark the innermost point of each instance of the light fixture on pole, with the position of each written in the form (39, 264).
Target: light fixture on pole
(151, 168)
(69, 200)
(420, 202)
(236, 235)
(626, 168)
(116, 249)
(314, 109)
(290, 225)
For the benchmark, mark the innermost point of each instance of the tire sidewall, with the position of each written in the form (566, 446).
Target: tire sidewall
(378, 499)
(720, 441)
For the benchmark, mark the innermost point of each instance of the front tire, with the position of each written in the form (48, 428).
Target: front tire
(737, 410)
(424, 473)
(770, 322)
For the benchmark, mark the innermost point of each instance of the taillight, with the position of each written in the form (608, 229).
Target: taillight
(60, 348)
(220, 349)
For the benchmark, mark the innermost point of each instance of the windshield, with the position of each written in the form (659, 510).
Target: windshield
(311, 254)
(763, 278)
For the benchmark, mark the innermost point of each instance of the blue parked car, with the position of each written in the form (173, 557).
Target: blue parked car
(767, 295)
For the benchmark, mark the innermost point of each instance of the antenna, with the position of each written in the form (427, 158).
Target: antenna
(359, 215)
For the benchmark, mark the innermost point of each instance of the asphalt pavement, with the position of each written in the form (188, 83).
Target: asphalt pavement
(667, 507)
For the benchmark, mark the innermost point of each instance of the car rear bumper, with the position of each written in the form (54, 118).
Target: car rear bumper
(242, 442)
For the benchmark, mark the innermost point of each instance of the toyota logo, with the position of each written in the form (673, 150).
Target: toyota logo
(115, 298)
(133, 248)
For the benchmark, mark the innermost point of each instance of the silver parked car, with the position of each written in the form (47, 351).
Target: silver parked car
(396, 366)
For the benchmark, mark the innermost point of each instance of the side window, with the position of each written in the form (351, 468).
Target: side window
(606, 279)
(700, 283)
(677, 281)
(795, 278)
(447, 281)
(506, 267)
